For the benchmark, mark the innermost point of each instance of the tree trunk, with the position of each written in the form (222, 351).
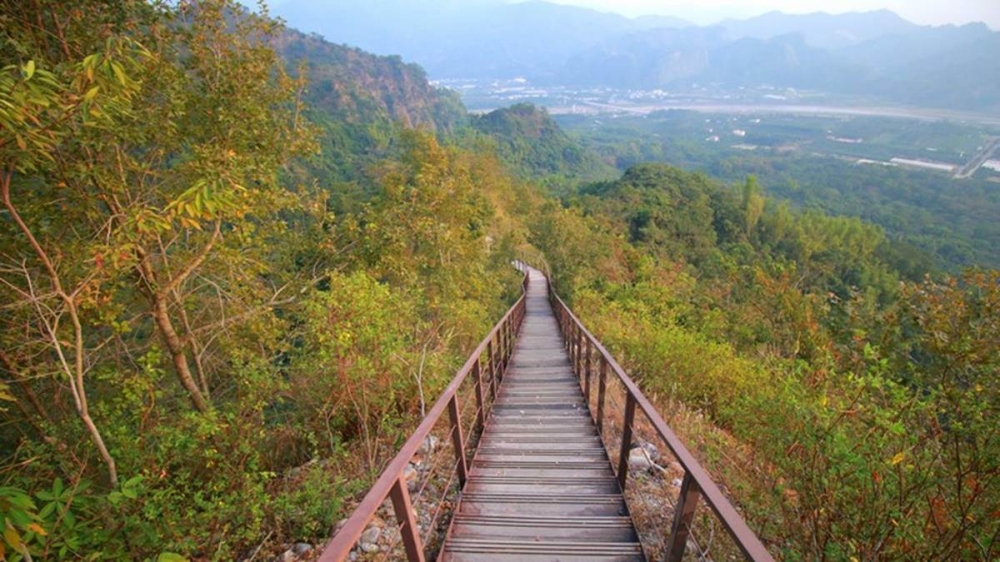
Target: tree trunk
(176, 348)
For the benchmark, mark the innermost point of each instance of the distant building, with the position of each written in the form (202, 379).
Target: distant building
(739, 132)
(992, 165)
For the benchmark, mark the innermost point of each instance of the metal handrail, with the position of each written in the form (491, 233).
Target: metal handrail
(696, 483)
(497, 347)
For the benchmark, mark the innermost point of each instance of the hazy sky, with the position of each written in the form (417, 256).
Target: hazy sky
(927, 12)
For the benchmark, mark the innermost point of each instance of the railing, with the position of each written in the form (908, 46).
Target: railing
(486, 366)
(587, 356)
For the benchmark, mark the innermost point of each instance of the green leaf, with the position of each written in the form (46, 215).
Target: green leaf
(29, 69)
(170, 557)
(47, 510)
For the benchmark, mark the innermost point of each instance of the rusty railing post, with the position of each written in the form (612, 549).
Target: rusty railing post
(586, 376)
(505, 334)
(493, 370)
(509, 335)
(502, 351)
(578, 346)
(579, 351)
(407, 523)
(601, 386)
(572, 346)
(509, 329)
(567, 330)
(683, 515)
(626, 439)
(457, 441)
(477, 378)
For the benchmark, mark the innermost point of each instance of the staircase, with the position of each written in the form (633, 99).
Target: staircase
(541, 485)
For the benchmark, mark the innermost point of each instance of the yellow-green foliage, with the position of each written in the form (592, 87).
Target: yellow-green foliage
(183, 317)
(863, 411)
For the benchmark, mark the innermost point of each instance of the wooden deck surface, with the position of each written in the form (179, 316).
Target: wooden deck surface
(541, 485)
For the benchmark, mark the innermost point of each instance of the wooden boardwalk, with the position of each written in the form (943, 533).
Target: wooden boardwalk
(541, 485)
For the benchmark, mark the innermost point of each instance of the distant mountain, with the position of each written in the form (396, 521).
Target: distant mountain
(872, 54)
(678, 58)
(891, 51)
(964, 74)
(650, 59)
(950, 67)
(821, 30)
(477, 39)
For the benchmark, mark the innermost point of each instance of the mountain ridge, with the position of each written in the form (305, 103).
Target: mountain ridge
(875, 54)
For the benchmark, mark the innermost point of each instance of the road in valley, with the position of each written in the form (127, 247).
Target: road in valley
(985, 154)
(923, 114)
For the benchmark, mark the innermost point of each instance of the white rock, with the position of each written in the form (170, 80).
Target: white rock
(676, 483)
(390, 534)
(412, 477)
(370, 535)
(368, 547)
(637, 460)
(429, 445)
(302, 548)
(652, 451)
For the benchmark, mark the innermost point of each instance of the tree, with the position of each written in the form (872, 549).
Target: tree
(753, 206)
(135, 152)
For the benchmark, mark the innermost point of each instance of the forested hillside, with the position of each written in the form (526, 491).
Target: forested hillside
(199, 350)
(949, 221)
(359, 101)
(230, 281)
(529, 141)
(852, 412)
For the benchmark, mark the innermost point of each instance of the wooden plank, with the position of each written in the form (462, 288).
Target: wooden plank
(541, 486)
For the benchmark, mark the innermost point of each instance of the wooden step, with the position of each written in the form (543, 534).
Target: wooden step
(540, 486)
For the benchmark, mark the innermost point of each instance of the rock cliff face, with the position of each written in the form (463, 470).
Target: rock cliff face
(357, 87)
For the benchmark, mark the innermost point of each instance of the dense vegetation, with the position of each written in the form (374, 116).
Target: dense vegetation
(854, 414)
(529, 141)
(185, 317)
(947, 219)
(221, 270)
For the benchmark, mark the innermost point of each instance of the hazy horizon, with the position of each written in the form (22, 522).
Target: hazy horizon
(703, 12)
(923, 12)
